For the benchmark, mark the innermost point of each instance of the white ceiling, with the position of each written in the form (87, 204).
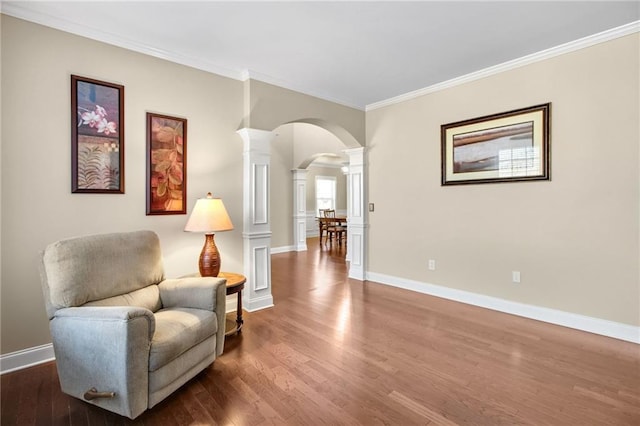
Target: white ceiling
(354, 53)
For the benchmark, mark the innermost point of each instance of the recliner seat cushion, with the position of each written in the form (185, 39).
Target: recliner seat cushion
(178, 330)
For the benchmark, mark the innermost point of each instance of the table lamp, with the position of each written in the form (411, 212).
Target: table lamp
(209, 216)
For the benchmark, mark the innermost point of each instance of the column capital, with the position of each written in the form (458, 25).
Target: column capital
(299, 173)
(354, 151)
(256, 139)
(356, 156)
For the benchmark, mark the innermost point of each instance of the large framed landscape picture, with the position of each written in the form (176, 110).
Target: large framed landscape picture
(97, 136)
(505, 147)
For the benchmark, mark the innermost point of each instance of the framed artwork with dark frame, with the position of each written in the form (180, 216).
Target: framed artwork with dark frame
(97, 136)
(166, 164)
(507, 147)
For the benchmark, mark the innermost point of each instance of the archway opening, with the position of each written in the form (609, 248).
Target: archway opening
(269, 192)
(315, 153)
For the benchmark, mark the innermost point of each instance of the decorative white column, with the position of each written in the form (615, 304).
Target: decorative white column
(300, 209)
(256, 228)
(356, 214)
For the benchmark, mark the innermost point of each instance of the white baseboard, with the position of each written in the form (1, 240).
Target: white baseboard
(258, 304)
(607, 328)
(283, 249)
(40, 354)
(26, 358)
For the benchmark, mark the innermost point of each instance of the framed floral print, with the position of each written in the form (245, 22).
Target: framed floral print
(166, 164)
(97, 136)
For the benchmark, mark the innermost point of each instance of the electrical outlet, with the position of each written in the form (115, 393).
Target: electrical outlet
(515, 276)
(432, 265)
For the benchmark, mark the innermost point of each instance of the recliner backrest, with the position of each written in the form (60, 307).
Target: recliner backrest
(148, 297)
(79, 270)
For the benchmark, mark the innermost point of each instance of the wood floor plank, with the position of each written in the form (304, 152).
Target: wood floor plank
(60, 414)
(338, 351)
(28, 394)
(44, 398)
(425, 412)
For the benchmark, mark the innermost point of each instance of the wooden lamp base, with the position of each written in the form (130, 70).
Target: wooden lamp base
(209, 263)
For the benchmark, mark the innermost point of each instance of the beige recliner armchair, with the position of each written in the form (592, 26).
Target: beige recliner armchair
(125, 337)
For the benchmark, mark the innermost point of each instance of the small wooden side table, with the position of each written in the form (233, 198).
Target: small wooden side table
(235, 284)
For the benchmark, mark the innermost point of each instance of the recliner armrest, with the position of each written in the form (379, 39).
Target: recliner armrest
(106, 314)
(193, 292)
(200, 293)
(106, 348)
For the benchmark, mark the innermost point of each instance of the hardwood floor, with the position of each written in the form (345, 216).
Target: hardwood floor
(340, 352)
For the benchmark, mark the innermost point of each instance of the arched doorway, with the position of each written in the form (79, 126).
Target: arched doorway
(256, 208)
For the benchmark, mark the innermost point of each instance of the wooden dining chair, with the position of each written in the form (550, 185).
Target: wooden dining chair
(334, 229)
(323, 224)
(338, 232)
(328, 214)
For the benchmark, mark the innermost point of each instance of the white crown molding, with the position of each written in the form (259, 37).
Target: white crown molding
(19, 10)
(603, 327)
(571, 46)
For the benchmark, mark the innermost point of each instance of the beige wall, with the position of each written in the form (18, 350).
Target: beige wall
(574, 239)
(281, 209)
(0, 186)
(311, 140)
(37, 204)
(270, 106)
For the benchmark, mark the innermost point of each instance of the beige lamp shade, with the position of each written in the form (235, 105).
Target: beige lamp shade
(209, 216)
